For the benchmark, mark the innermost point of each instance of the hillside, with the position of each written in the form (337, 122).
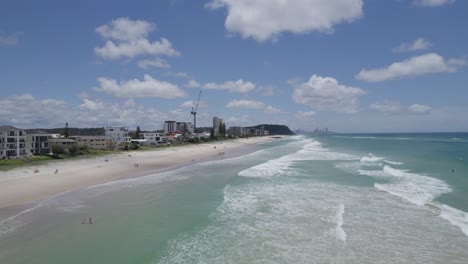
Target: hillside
(275, 129)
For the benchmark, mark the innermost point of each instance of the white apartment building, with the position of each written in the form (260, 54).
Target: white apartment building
(38, 142)
(155, 137)
(12, 142)
(118, 135)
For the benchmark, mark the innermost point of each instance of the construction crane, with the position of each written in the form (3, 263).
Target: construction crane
(194, 112)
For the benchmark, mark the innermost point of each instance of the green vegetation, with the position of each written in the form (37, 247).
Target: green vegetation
(8, 164)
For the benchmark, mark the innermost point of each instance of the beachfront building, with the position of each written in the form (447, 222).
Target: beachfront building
(169, 126)
(118, 135)
(235, 131)
(154, 137)
(65, 143)
(38, 141)
(12, 142)
(216, 124)
(94, 142)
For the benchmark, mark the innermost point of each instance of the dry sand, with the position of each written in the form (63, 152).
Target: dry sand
(23, 186)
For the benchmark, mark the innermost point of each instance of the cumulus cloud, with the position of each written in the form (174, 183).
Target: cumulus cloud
(26, 111)
(129, 38)
(414, 66)
(387, 107)
(252, 104)
(9, 40)
(267, 19)
(238, 86)
(325, 93)
(249, 104)
(157, 63)
(432, 3)
(148, 87)
(418, 44)
(397, 108)
(177, 74)
(305, 114)
(193, 84)
(419, 109)
(190, 104)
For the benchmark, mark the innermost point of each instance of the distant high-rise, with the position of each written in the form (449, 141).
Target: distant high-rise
(216, 123)
(169, 126)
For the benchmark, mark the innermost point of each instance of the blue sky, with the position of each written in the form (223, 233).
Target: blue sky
(349, 65)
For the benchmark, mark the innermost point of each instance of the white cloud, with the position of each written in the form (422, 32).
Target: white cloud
(148, 87)
(125, 29)
(252, 104)
(267, 19)
(238, 86)
(414, 66)
(190, 104)
(9, 40)
(248, 104)
(26, 111)
(397, 108)
(193, 84)
(418, 44)
(272, 110)
(324, 93)
(177, 74)
(419, 109)
(432, 3)
(305, 115)
(131, 40)
(157, 63)
(91, 105)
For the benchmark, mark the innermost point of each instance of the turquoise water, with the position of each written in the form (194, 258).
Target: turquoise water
(377, 198)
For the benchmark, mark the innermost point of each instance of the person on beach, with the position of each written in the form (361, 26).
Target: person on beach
(56, 171)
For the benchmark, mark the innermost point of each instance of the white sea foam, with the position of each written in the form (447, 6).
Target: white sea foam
(371, 158)
(313, 150)
(365, 137)
(455, 217)
(393, 162)
(415, 188)
(340, 233)
(374, 173)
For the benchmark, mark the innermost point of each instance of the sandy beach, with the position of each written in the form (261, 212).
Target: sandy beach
(23, 186)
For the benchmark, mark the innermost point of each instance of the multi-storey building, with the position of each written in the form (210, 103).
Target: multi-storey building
(235, 131)
(216, 124)
(38, 142)
(118, 135)
(65, 143)
(94, 142)
(155, 137)
(169, 126)
(12, 142)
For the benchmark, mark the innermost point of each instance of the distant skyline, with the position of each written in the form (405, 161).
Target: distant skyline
(348, 65)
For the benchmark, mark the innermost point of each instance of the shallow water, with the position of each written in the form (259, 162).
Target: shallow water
(332, 199)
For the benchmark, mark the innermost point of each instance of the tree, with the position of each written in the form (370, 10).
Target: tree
(73, 150)
(212, 133)
(66, 132)
(138, 132)
(57, 150)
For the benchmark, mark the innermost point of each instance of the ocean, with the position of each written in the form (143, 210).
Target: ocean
(350, 198)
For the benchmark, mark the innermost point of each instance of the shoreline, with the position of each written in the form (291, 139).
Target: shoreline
(22, 188)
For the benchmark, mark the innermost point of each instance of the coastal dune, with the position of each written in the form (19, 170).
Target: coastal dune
(24, 186)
